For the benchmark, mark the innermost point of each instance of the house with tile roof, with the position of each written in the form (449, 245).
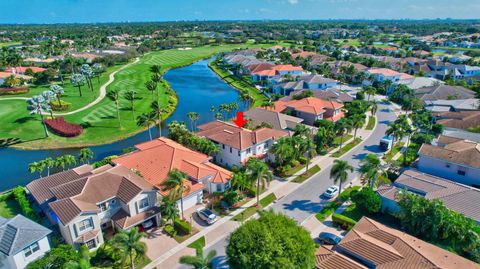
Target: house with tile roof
(452, 158)
(455, 196)
(383, 74)
(237, 145)
(155, 159)
(328, 94)
(445, 105)
(462, 120)
(311, 109)
(444, 92)
(370, 244)
(309, 82)
(277, 120)
(88, 203)
(22, 241)
(276, 71)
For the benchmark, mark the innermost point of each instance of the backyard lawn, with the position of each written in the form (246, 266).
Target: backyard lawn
(99, 121)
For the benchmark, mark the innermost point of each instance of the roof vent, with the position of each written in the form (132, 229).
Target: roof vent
(228, 132)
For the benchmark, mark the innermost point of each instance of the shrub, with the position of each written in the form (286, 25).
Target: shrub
(182, 226)
(367, 200)
(63, 128)
(345, 222)
(62, 106)
(104, 161)
(11, 91)
(19, 194)
(170, 230)
(302, 159)
(348, 192)
(231, 197)
(327, 210)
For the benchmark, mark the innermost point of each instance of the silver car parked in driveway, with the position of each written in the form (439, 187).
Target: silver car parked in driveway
(207, 215)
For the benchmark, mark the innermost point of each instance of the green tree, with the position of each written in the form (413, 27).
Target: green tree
(260, 173)
(367, 200)
(176, 187)
(271, 241)
(60, 163)
(373, 107)
(193, 117)
(38, 105)
(357, 121)
(85, 155)
(84, 260)
(130, 96)
(36, 167)
(128, 245)
(169, 209)
(56, 258)
(339, 173)
(199, 261)
(114, 95)
(49, 164)
(69, 160)
(78, 80)
(146, 120)
(151, 86)
(370, 169)
(58, 91)
(341, 127)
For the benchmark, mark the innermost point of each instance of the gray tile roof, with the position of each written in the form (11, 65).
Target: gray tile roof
(455, 196)
(278, 120)
(444, 92)
(18, 233)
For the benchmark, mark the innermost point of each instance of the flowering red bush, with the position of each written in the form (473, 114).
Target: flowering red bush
(63, 128)
(5, 91)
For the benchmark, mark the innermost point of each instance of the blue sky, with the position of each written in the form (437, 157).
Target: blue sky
(58, 11)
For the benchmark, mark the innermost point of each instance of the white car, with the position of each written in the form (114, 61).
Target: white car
(207, 215)
(331, 192)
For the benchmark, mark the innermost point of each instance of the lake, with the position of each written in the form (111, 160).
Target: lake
(198, 88)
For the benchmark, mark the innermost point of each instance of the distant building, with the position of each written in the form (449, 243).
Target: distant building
(310, 82)
(444, 92)
(311, 109)
(458, 119)
(443, 105)
(22, 241)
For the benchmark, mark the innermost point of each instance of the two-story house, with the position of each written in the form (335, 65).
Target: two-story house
(237, 145)
(22, 241)
(383, 74)
(452, 158)
(155, 159)
(276, 71)
(105, 200)
(311, 109)
(309, 82)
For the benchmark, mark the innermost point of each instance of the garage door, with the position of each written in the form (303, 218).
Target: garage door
(190, 200)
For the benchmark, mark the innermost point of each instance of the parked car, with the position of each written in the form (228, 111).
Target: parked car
(331, 192)
(207, 215)
(329, 238)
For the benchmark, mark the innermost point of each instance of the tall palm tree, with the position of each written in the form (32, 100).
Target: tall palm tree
(199, 261)
(36, 167)
(38, 105)
(341, 127)
(339, 173)
(357, 122)
(146, 120)
(130, 96)
(155, 69)
(69, 160)
(157, 111)
(60, 163)
(78, 80)
(193, 117)
(259, 172)
(395, 129)
(169, 209)
(175, 184)
(114, 95)
(49, 163)
(373, 107)
(87, 72)
(85, 155)
(310, 151)
(151, 86)
(282, 150)
(128, 244)
(213, 109)
(370, 168)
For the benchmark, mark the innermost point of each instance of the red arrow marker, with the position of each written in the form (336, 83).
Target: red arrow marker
(240, 121)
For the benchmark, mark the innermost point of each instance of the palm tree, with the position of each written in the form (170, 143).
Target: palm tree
(146, 120)
(396, 130)
(175, 184)
(370, 168)
(373, 107)
(357, 122)
(339, 173)
(310, 151)
(114, 95)
(36, 167)
(49, 163)
(85, 155)
(282, 150)
(69, 160)
(78, 80)
(157, 111)
(268, 104)
(57, 90)
(83, 263)
(169, 209)
(193, 117)
(49, 96)
(60, 163)
(302, 131)
(218, 116)
(213, 109)
(38, 105)
(369, 90)
(155, 69)
(199, 261)
(130, 96)
(260, 173)
(341, 128)
(128, 244)
(151, 86)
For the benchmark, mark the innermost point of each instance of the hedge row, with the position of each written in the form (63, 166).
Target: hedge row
(328, 210)
(61, 127)
(345, 222)
(170, 230)
(182, 226)
(21, 198)
(11, 91)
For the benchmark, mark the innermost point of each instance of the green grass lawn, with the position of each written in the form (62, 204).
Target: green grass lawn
(238, 83)
(250, 211)
(398, 146)
(9, 208)
(198, 244)
(353, 212)
(4, 44)
(371, 123)
(100, 122)
(311, 171)
(347, 147)
(337, 139)
(293, 170)
(350, 42)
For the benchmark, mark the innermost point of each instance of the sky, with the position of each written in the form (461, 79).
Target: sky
(84, 11)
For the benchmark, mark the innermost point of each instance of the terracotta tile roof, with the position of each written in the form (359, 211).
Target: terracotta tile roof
(454, 150)
(87, 236)
(387, 248)
(41, 189)
(303, 54)
(260, 67)
(123, 220)
(118, 181)
(235, 137)
(455, 196)
(384, 71)
(156, 158)
(23, 69)
(274, 70)
(310, 105)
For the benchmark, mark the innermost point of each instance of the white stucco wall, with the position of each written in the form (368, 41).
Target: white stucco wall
(449, 170)
(19, 261)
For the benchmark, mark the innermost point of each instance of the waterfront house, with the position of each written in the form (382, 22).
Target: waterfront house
(278, 121)
(87, 204)
(328, 94)
(236, 144)
(22, 241)
(311, 109)
(370, 244)
(452, 158)
(276, 71)
(155, 159)
(455, 196)
(309, 82)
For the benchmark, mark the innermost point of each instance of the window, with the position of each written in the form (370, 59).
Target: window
(90, 244)
(85, 225)
(31, 249)
(249, 150)
(238, 152)
(143, 203)
(219, 187)
(230, 149)
(104, 206)
(223, 146)
(461, 172)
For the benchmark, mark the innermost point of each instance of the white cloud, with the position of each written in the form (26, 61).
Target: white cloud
(292, 2)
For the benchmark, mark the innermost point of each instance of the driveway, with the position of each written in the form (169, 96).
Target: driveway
(158, 242)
